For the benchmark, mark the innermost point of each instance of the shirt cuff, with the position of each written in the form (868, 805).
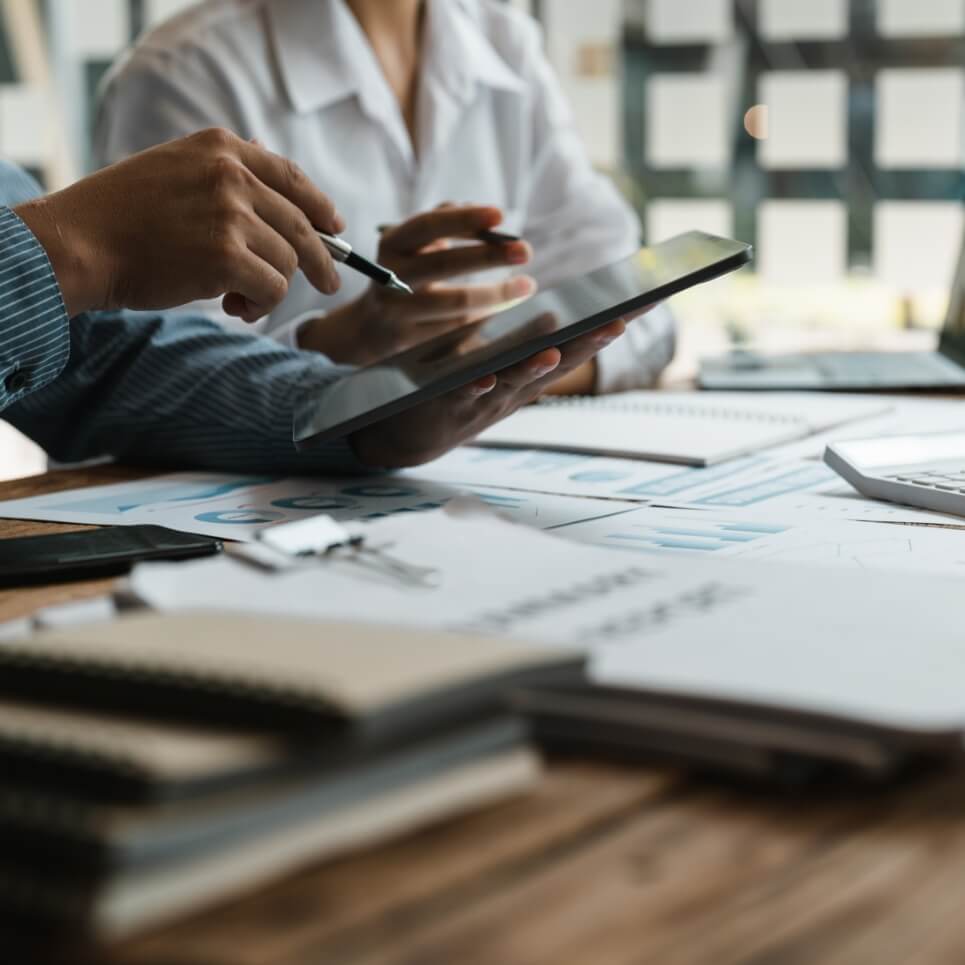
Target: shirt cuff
(34, 327)
(636, 360)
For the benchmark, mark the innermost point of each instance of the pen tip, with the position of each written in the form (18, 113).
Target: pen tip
(401, 286)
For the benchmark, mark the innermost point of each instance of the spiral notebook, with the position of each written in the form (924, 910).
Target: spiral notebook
(134, 759)
(109, 870)
(687, 428)
(154, 764)
(351, 682)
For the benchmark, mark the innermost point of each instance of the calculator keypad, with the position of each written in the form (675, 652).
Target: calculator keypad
(946, 480)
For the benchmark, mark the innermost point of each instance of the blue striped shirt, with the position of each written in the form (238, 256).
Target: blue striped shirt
(165, 390)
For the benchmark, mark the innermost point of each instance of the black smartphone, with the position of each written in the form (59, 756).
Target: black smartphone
(550, 318)
(93, 554)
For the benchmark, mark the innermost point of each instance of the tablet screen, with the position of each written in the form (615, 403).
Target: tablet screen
(549, 318)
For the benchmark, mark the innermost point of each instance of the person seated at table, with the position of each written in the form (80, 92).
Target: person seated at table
(205, 215)
(399, 107)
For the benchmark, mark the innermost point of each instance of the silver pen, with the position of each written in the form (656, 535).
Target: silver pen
(342, 252)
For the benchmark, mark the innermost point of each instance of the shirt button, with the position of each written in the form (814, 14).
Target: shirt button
(16, 382)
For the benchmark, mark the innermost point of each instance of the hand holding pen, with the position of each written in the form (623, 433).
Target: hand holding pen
(420, 251)
(343, 253)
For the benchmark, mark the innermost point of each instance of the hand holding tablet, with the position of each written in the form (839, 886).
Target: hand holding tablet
(427, 431)
(515, 354)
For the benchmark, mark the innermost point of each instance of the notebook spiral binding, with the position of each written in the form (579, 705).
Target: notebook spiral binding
(61, 677)
(614, 403)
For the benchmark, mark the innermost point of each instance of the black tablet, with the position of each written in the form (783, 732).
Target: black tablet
(94, 553)
(550, 318)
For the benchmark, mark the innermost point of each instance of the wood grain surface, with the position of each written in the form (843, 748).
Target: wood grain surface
(21, 603)
(601, 864)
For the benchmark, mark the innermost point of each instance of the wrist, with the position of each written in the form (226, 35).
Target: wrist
(74, 265)
(339, 334)
(321, 334)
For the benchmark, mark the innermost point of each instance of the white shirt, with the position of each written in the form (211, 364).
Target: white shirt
(493, 128)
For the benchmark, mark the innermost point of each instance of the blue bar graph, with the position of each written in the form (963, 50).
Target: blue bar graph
(791, 482)
(680, 481)
(653, 542)
(704, 536)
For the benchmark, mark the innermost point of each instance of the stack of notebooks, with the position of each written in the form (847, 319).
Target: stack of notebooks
(156, 764)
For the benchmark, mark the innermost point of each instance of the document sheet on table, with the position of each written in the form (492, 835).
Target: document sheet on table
(872, 646)
(789, 484)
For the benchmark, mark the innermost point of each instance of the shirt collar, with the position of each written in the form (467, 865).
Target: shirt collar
(320, 51)
(324, 57)
(461, 56)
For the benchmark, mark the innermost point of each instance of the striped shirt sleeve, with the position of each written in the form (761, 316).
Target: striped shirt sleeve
(177, 391)
(166, 390)
(34, 338)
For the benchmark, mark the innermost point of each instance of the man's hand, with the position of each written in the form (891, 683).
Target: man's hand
(433, 428)
(202, 216)
(381, 323)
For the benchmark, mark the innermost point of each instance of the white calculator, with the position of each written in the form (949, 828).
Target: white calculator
(927, 470)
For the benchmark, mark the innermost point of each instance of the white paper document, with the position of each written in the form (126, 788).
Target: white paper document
(238, 507)
(651, 530)
(541, 488)
(791, 480)
(882, 648)
(799, 489)
(795, 486)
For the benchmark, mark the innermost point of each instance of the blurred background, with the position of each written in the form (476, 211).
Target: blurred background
(828, 133)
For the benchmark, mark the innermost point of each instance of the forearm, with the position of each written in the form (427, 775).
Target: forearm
(177, 392)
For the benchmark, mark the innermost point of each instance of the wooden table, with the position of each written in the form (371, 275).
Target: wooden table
(602, 864)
